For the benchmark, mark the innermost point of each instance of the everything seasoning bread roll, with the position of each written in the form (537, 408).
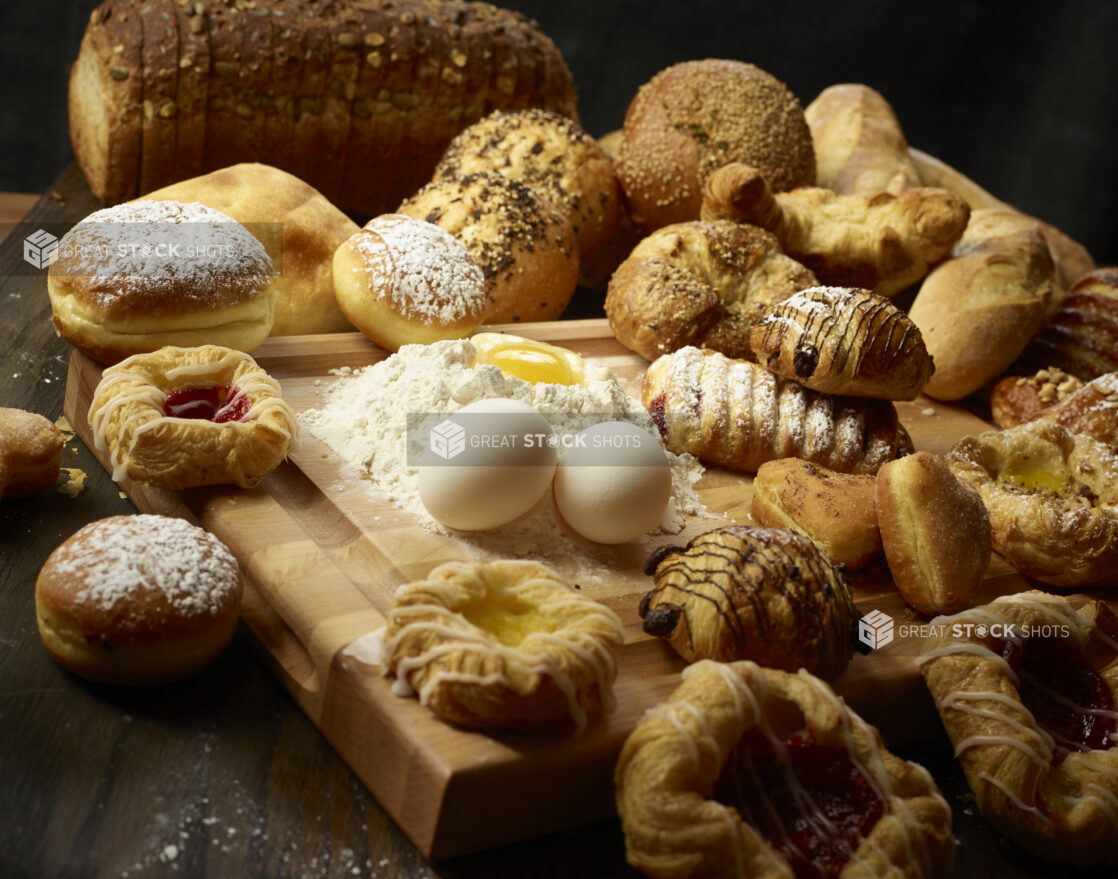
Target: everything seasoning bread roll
(373, 90)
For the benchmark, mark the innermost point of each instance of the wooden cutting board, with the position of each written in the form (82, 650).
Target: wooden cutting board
(322, 556)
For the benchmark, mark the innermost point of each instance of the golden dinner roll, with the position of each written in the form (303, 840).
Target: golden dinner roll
(136, 277)
(525, 245)
(404, 281)
(138, 600)
(298, 227)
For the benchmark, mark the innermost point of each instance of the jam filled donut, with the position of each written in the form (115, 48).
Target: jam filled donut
(752, 772)
(30, 453)
(181, 417)
(1027, 687)
(403, 281)
(136, 277)
(138, 600)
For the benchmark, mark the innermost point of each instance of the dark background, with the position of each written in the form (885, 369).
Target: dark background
(1021, 97)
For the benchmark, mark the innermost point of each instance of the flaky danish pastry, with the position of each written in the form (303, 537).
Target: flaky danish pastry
(755, 773)
(1052, 498)
(742, 592)
(182, 417)
(503, 644)
(1018, 399)
(739, 415)
(843, 340)
(1027, 688)
(699, 283)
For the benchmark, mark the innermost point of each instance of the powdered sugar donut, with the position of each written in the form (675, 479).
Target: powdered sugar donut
(135, 277)
(405, 281)
(138, 600)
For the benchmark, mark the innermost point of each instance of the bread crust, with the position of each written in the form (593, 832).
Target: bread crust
(833, 510)
(525, 246)
(699, 283)
(407, 126)
(697, 116)
(935, 533)
(30, 453)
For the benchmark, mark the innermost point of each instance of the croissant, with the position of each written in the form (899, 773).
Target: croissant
(843, 340)
(742, 592)
(738, 415)
(880, 241)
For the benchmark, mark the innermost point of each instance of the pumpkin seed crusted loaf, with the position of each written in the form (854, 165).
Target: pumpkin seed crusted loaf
(357, 97)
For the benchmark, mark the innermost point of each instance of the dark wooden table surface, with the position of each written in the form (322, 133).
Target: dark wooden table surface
(220, 775)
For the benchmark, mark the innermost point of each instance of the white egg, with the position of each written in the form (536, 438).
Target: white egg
(488, 463)
(613, 482)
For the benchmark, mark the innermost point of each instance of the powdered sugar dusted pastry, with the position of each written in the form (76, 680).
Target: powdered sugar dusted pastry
(739, 415)
(503, 644)
(742, 592)
(405, 281)
(135, 277)
(843, 340)
(1052, 498)
(751, 772)
(1027, 688)
(138, 600)
(182, 417)
(30, 453)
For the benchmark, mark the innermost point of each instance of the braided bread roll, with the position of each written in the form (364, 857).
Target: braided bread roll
(738, 415)
(843, 340)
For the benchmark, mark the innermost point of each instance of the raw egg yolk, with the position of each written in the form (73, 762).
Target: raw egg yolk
(531, 361)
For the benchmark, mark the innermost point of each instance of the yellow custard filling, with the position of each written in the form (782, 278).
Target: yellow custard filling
(506, 618)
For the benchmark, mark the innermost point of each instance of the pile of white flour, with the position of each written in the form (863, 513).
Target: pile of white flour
(365, 420)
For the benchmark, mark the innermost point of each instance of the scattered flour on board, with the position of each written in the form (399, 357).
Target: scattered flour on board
(365, 420)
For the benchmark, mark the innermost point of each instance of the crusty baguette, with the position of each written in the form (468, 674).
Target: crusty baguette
(357, 97)
(978, 310)
(860, 148)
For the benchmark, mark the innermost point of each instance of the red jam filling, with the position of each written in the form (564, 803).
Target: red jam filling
(216, 404)
(1065, 694)
(816, 821)
(656, 410)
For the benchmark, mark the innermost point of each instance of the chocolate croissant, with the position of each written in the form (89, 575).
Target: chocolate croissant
(843, 340)
(738, 415)
(742, 592)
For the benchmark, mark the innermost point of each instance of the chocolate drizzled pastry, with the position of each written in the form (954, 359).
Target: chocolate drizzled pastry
(742, 592)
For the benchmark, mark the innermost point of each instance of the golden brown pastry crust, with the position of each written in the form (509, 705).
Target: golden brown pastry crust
(669, 766)
(833, 510)
(30, 453)
(525, 245)
(1091, 410)
(859, 145)
(1018, 399)
(503, 644)
(136, 277)
(935, 533)
(298, 227)
(1052, 498)
(739, 415)
(138, 600)
(742, 592)
(554, 156)
(697, 116)
(880, 242)
(1081, 337)
(1065, 812)
(699, 283)
(127, 418)
(843, 340)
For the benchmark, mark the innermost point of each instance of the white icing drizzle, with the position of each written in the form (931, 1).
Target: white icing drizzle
(452, 632)
(1013, 798)
(1101, 797)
